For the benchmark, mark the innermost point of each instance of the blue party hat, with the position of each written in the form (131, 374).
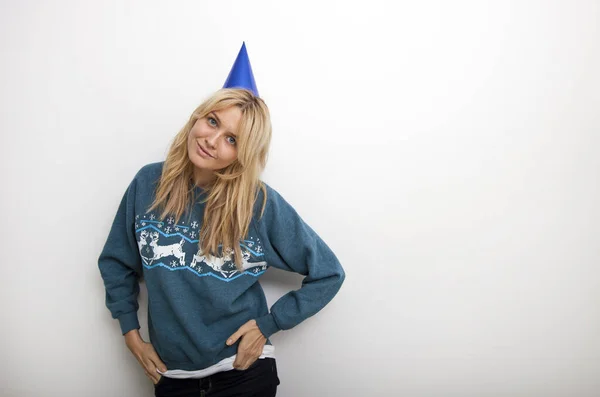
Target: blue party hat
(241, 75)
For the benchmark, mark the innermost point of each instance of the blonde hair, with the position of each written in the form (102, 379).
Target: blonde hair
(231, 197)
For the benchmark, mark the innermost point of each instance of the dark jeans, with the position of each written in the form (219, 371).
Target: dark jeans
(260, 380)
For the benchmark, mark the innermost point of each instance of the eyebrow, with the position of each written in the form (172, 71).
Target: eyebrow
(219, 121)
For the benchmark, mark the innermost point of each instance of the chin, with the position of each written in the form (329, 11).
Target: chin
(199, 162)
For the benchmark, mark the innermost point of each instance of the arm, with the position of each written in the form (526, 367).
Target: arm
(290, 244)
(120, 265)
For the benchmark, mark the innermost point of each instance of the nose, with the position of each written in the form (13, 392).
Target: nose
(211, 139)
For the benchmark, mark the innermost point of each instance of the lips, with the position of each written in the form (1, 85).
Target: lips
(204, 151)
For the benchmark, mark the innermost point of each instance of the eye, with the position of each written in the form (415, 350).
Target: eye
(231, 140)
(212, 121)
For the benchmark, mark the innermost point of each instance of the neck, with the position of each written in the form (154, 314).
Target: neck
(202, 177)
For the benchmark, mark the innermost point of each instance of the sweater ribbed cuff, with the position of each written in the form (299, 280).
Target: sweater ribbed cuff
(129, 321)
(267, 325)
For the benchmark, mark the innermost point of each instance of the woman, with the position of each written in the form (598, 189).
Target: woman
(202, 228)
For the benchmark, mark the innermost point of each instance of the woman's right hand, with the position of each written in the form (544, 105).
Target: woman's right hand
(145, 354)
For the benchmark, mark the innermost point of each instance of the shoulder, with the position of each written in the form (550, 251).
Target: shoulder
(275, 205)
(150, 170)
(150, 173)
(271, 193)
(146, 179)
(273, 197)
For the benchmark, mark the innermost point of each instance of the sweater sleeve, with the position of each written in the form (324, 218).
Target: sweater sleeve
(120, 264)
(290, 244)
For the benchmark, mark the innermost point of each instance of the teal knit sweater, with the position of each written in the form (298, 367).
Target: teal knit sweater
(196, 302)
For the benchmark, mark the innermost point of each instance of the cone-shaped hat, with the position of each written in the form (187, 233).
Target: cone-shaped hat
(241, 75)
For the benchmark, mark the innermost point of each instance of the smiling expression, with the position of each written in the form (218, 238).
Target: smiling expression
(212, 141)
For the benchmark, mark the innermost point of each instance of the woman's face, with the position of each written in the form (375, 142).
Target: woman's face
(212, 140)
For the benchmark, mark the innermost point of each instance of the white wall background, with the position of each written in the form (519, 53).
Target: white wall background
(446, 151)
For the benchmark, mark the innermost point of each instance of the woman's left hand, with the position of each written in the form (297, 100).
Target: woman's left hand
(250, 347)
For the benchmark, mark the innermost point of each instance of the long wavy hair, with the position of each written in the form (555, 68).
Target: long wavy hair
(231, 197)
